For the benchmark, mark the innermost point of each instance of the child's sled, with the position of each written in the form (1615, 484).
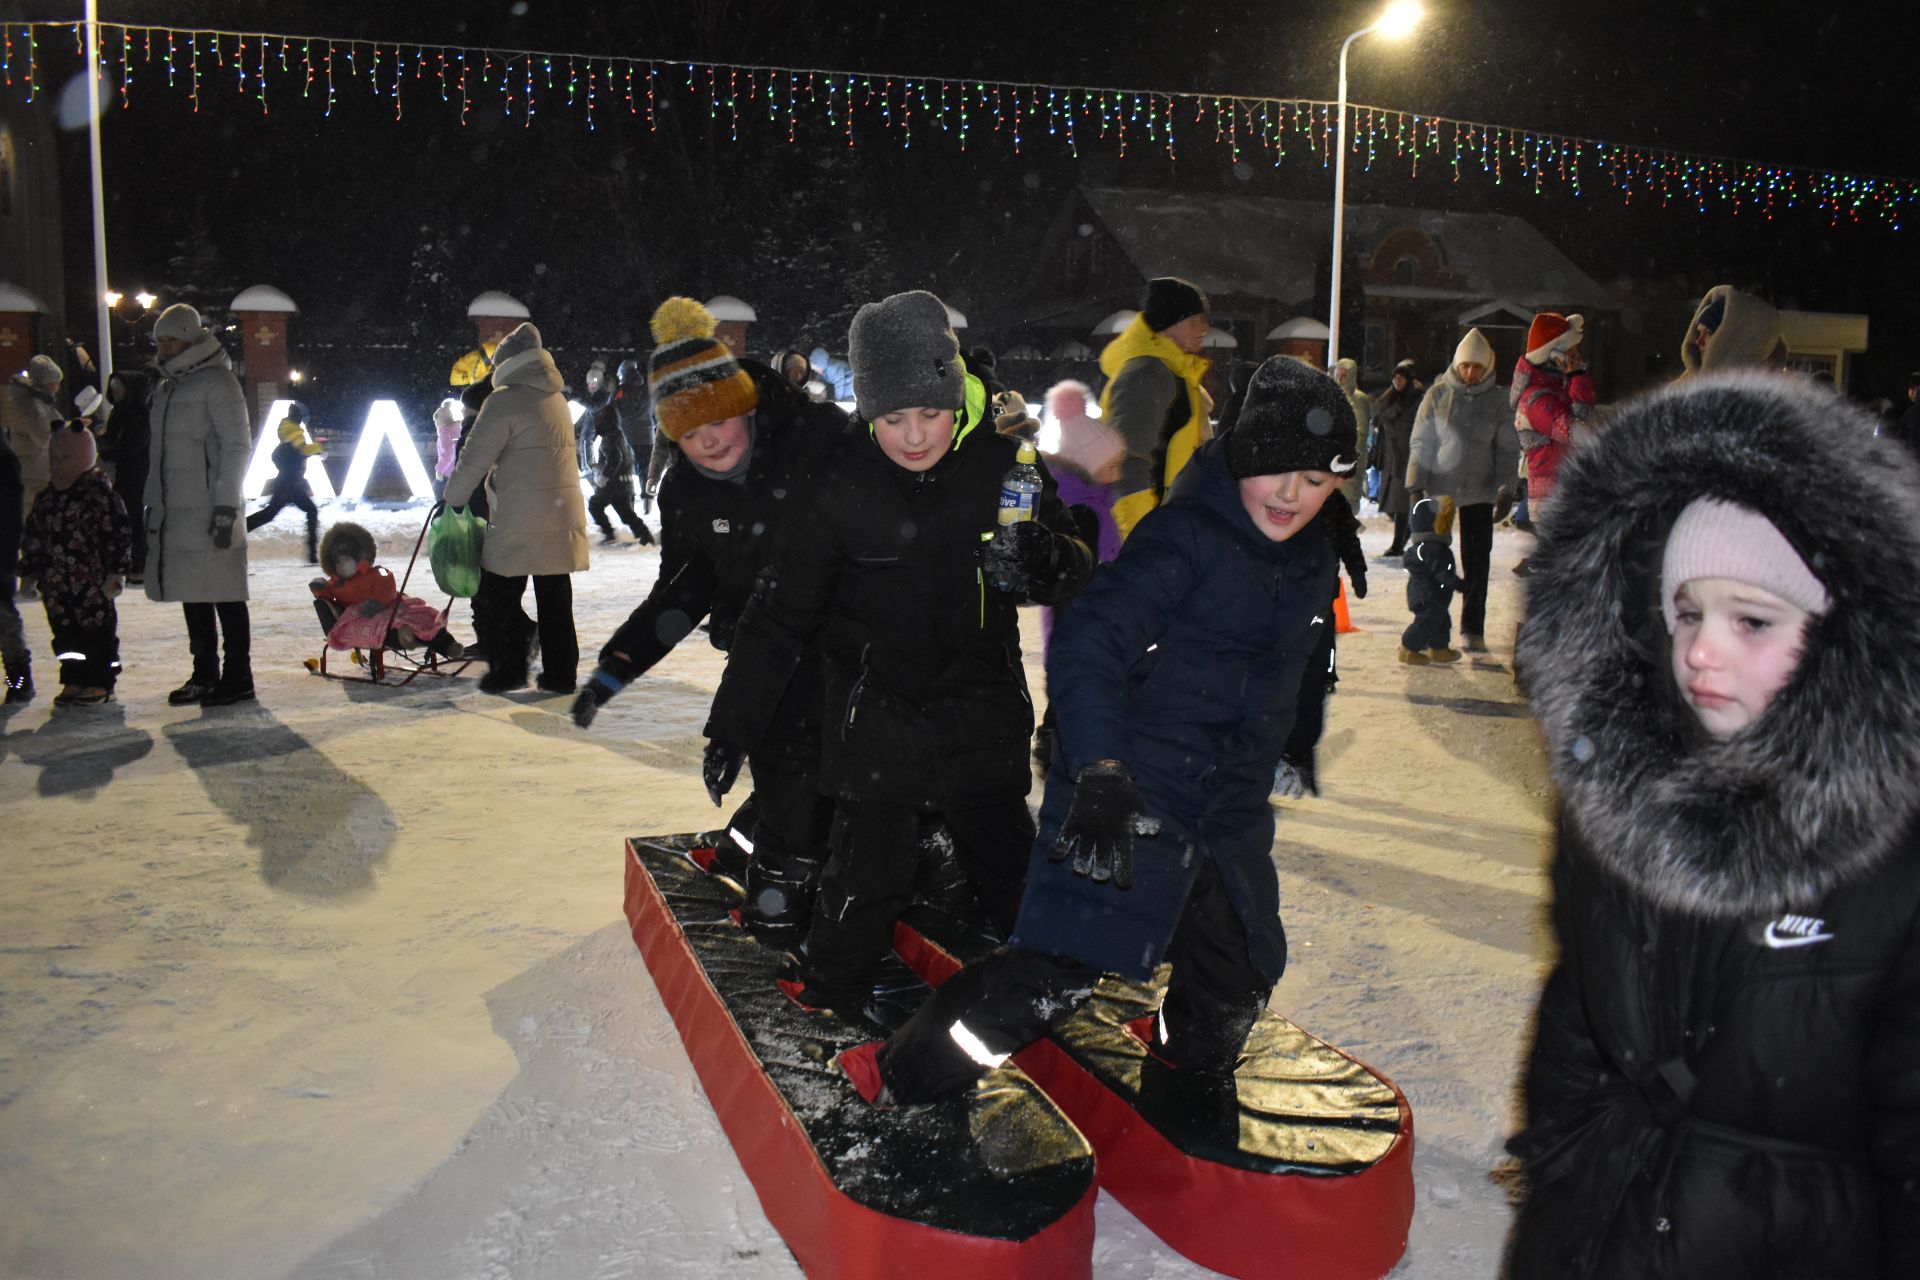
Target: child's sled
(374, 665)
(996, 1183)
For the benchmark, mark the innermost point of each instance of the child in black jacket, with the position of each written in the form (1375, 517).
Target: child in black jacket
(892, 570)
(1431, 582)
(289, 487)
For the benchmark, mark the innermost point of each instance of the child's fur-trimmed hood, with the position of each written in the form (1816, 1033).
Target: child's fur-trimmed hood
(1825, 784)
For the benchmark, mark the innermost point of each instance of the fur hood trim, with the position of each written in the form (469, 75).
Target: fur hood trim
(1822, 788)
(348, 538)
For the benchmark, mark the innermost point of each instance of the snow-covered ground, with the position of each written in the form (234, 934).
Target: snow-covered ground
(336, 986)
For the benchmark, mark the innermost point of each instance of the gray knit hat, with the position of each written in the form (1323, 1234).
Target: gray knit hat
(904, 355)
(1295, 418)
(179, 322)
(44, 371)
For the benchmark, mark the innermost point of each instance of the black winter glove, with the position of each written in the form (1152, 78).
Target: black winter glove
(1356, 562)
(1100, 826)
(719, 768)
(222, 526)
(1019, 557)
(594, 694)
(1502, 506)
(1295, 777)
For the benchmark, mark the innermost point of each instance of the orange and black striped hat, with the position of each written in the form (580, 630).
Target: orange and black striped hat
(691, 375)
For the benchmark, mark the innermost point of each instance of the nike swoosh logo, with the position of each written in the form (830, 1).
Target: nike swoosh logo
(1781, 941)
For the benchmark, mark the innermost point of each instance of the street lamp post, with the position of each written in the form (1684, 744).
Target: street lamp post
(1401, 17)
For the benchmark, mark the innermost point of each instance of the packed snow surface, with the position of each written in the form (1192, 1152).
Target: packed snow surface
(336, 986)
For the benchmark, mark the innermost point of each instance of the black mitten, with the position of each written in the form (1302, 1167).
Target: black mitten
(719, 767)
(1019, 556)
(1100, 826)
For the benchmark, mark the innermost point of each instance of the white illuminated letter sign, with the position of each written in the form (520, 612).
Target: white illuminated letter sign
(260, 470)
(384, 424)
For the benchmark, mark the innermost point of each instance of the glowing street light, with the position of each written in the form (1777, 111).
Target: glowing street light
(113, 297)
(1400, 18)
(145, 299)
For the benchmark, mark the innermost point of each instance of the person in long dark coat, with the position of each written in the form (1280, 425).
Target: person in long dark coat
(1725, 1078)
(1393, 414)
(125, 450)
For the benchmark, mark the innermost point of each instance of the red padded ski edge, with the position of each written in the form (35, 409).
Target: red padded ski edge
(831, 1236)
(1346, 1227)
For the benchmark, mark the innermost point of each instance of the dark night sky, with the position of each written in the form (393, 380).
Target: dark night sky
(308, 203)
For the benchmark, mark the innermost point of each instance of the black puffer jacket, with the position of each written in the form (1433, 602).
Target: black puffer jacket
(717, 535)
(1726, 1075)
(613, 465)
(926, 702)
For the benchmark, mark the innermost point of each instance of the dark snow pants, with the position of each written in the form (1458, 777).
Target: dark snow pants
(276, 503)
(504, 628)
(619, 496)
(1476, 554)
(204, 638)
(791, 825)
(874, 869)
(15, 656)
(89, 655)
(997, 1005)
(1431, 627)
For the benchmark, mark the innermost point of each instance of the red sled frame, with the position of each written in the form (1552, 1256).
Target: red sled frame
(376, 660)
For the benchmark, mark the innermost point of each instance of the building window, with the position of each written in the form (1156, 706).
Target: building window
(1406, 269)
(1374, 352)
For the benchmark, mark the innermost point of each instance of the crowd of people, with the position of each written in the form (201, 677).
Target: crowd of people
(1726, 1072)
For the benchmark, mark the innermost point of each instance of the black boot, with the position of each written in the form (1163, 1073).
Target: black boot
(194, 690)
(779, 902)
(20, 684)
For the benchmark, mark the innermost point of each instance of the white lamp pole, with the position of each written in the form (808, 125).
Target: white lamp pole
(103, 361)
(1400, 18)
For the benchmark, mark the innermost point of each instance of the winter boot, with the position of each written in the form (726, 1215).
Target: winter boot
(779, 902)
(20, 685)
(1414, 657)
(1472, 644)
(1443, 655)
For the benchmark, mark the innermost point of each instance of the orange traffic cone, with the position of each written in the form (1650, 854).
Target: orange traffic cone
(1342, 620)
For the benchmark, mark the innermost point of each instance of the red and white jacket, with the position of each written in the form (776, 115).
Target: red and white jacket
(1548, 406)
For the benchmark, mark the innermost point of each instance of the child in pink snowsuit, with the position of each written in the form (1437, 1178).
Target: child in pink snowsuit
(360, 605)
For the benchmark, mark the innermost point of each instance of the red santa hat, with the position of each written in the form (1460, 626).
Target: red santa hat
(1552, 332)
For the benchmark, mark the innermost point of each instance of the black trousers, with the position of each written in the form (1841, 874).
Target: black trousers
(1400, 529)
(205, 639)
(873, 870)
(790, 827)
(15, 656)
(505, 629)
(1009, 999)
(619, 496)
(1476, 554)
(276, 503)
(96, 650)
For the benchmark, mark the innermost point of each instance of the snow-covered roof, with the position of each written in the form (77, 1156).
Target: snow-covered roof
(725, 306)
(1219, 338)
(1267, 247)
(14, 298)
(262, 297)
(1304, 327)
(1025, 351)
(495, 303)
(955, 317)
(1114, 323)
(1072, 351)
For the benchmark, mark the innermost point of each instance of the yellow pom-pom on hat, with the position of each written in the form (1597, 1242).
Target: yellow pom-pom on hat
(692, 376)
(682, 317)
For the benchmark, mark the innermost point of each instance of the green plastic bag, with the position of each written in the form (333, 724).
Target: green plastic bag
(453, 548)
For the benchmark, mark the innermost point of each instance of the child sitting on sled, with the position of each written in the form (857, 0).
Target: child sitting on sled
(1175, 674)
(356, 605)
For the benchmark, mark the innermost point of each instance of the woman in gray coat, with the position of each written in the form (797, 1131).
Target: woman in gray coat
(197, 553)
(522, 447)
(1464, 447)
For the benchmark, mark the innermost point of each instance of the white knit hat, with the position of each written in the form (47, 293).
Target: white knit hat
(1715, 539)
(179, 321)
(1473, 349)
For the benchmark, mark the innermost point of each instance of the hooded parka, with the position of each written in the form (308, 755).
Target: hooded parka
(201, 441)
(926, 700)
(1464, 446)
(1725, 1079)
(522, 447)
(1393, 413)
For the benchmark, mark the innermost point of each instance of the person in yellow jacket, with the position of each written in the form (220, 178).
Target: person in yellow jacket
(1153, 396)
(475, 366)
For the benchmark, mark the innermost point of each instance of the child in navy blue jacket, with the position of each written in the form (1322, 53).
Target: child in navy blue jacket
(1176, 674)
(1431, 582)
